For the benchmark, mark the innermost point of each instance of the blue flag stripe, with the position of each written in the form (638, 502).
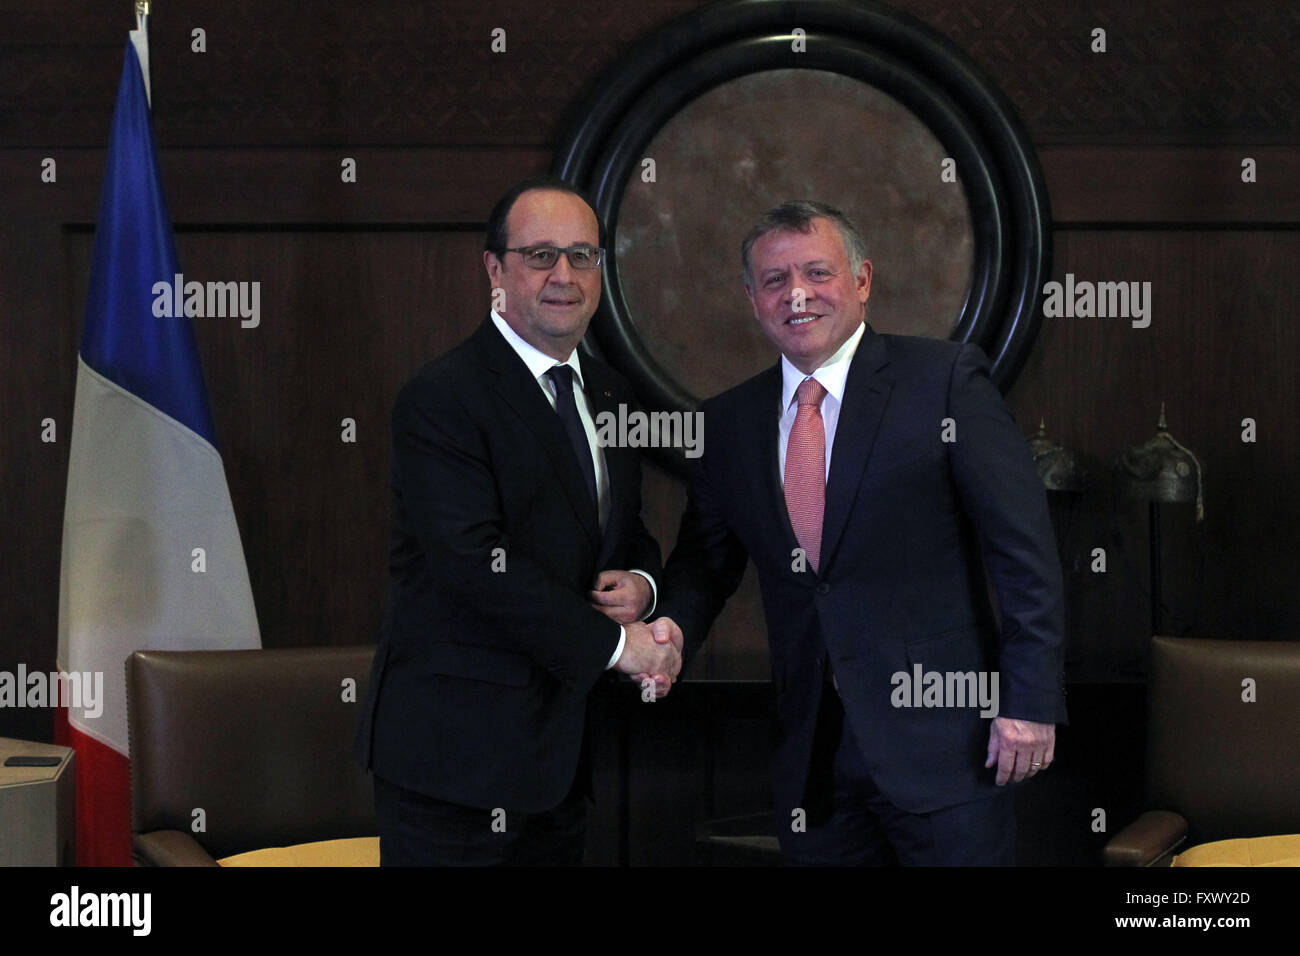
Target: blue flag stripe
(153, 357)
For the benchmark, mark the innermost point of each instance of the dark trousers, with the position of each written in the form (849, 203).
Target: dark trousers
(419, 830)
(857, 826)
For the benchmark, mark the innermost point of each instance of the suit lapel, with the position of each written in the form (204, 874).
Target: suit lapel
(766, 440)
(619, 462)
(522, 393)
(866, 393)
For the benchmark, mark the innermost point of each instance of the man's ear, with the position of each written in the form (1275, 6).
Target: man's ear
(864, 280)
(493, 265)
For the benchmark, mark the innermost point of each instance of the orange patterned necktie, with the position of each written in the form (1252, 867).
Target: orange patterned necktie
(805, 470)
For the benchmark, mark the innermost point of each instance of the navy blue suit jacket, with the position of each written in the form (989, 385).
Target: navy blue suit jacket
(908, 517)
(488, 648)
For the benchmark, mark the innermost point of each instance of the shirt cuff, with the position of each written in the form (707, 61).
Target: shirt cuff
(618, 651)
(654, 593)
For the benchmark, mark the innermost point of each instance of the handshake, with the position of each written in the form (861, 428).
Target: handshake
(651, 651)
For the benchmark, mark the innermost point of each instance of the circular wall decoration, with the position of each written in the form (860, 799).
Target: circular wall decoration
(733, 108)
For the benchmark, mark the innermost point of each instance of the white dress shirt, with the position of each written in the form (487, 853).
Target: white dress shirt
(539, 363)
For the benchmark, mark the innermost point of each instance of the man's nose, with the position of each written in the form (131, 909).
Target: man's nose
(562, 271)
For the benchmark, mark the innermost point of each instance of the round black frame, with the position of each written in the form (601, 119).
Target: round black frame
(1009, 209)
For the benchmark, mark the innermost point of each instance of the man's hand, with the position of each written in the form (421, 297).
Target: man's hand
(1020, 748)
(665, 631)
(621, 595)
(644, 655)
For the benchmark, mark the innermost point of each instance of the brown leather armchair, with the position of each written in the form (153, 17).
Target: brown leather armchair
(1219, 767)
(238, 751)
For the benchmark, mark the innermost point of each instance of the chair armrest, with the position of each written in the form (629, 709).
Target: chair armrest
(170, 848)
(1148, 840)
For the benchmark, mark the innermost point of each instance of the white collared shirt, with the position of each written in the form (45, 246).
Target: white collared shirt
(539, 363)
(833, 374)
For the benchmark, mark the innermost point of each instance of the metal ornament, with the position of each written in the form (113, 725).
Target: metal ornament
(1058, 468)
(1161, 470)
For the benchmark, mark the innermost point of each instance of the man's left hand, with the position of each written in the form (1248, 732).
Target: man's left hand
(1020, 748)
(621, 595)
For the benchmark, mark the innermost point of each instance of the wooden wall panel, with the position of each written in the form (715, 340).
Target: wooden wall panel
(284, 188)
(1218, 350)
(38, 367)
(418, 74)
(1090, 187)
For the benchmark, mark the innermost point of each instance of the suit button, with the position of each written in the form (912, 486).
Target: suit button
(823, 587)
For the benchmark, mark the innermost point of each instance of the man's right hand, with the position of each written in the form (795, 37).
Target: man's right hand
(643, 654)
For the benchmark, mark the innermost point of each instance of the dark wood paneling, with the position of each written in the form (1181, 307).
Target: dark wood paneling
(39, 293)
(395, 187)
(1218, 350)
(1111, 187)
(1191, 71)
(420, 74)
(1089, 186)
(405, 74)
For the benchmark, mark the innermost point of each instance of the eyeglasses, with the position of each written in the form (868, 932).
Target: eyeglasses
(545, 257)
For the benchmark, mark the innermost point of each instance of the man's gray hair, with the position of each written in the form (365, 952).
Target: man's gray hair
(797, 215)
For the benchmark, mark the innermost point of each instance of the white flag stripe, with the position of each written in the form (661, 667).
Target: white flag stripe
(143, 492)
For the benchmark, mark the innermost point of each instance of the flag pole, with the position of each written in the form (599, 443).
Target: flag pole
(140, 40)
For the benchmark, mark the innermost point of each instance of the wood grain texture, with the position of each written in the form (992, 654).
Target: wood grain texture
(422, 74)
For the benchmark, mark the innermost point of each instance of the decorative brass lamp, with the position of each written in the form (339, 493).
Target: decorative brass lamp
(1058, 468)
(1161, 471)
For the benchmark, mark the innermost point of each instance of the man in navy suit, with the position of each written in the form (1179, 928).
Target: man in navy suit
(871, 479)
(521, 569)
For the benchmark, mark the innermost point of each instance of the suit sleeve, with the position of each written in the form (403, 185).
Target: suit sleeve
(443, 472)
(643, 550)
(706, 565)
(1004, 498)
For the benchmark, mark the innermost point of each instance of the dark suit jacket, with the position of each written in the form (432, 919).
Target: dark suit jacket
(482, 675)
(900, 582)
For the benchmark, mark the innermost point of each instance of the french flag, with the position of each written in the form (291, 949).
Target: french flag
(151, 551)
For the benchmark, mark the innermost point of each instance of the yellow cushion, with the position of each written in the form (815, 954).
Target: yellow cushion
(360, 851)
(1260, 851)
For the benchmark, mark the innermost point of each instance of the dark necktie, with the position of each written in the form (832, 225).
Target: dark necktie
(567, 409)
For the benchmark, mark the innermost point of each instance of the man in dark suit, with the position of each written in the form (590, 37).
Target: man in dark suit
(866, 475)
(512, 528)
